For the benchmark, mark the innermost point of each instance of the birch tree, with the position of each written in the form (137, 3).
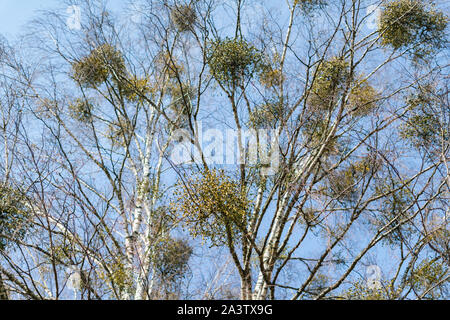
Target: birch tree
(346, 198)
(349, 122)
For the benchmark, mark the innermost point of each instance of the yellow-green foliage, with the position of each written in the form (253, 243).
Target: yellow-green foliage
(421, 130)
(213, 207)
(423, 99)
(181, 98)
(183, 17)
(309, 5)
(232, 60)
(95, 68)
(271, 76)
(315, 132)
(81, 110)
(172, 259)
(14, 216)
(394, 201)
(362, 99)
(412, 23)
(393, 207)
(331, 77)
(319, 283)
(439, 233)
(135, 88)
(343, 183)
(267, 114)
(168, 65)
(360, 291)
(116, 274)
(62, 252)
(427, 274)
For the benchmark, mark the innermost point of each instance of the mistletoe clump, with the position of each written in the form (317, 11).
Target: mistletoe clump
(214, 207)
(81, 110)
(95, 68)
(115, 273)
(63, 251)
(316, 131)
(428, 274)
(14, 216)
(423, 127)
(172, 260)
(360, 291)
(362, 99)
(343, 183)
(135, 88)
(270, 75)
(181, 100)
(266, 115)
(168, 65)
(233, 60)
(183, 17)
(412, 24)
(309, 5)
(330, 80)
(394, 209)
(421, 130)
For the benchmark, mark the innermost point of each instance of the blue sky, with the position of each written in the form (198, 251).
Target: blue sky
(15, 13)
